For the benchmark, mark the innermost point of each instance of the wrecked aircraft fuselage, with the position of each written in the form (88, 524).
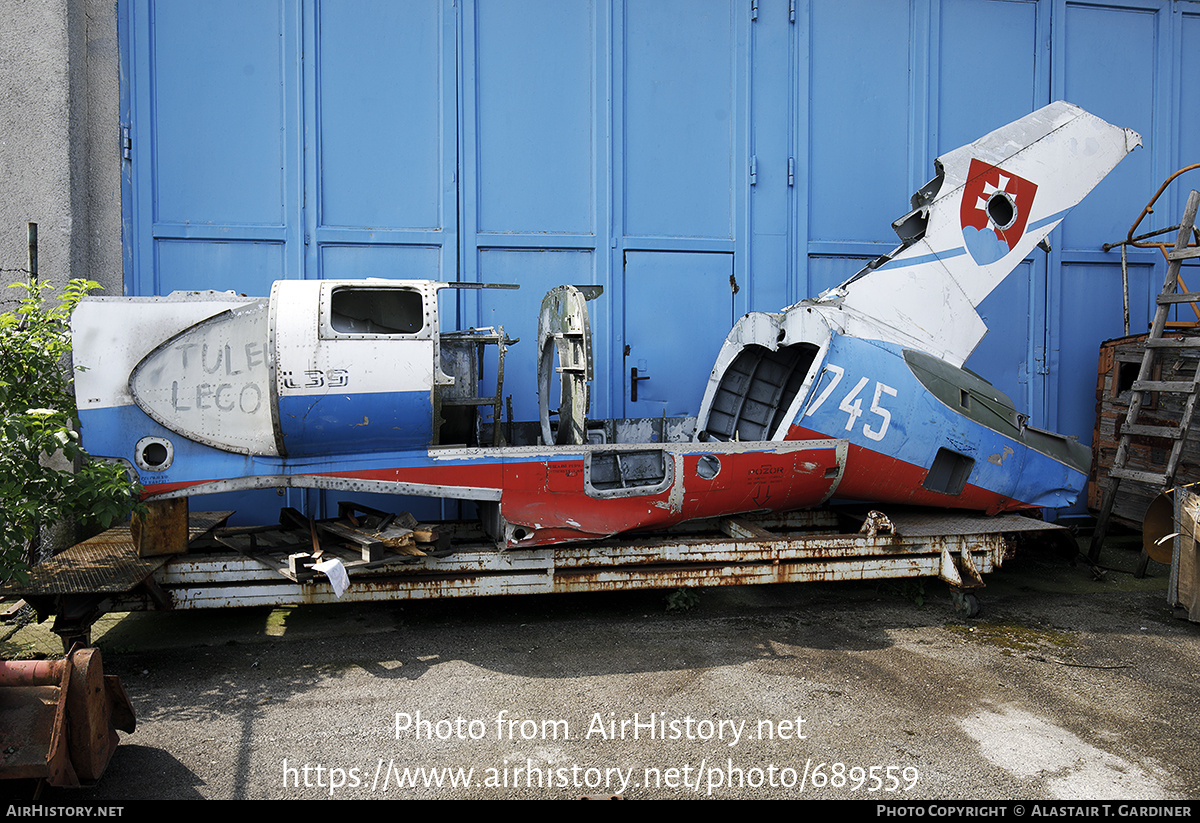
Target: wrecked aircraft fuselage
(858, 393)
(878, 360)
(334, 385)
(919, 430)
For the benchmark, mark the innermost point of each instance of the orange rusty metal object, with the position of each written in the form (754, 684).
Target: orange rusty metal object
(59, 718)
(1143, 241)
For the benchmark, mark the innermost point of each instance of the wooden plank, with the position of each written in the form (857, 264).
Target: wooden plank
(1178, 297)
(1174, 343)
(740, 529)
(1169, 432)
(1174, 386)
(1140, 476)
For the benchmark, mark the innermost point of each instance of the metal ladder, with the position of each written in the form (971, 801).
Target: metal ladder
(1155, 343)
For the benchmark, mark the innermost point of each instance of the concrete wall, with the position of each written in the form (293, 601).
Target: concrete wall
(60, 151)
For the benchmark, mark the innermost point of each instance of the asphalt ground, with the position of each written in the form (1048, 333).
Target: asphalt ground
(1064, 687)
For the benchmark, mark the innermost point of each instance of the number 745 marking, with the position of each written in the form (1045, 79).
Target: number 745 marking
(852, 403)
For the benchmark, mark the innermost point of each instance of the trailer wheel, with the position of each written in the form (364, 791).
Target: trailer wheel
(965, 603)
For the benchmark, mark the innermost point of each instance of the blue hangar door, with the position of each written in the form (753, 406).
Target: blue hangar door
(696, 158)
(532, 143)
(601, 145)
(284, 140)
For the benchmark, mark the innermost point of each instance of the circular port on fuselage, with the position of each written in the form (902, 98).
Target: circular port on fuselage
(154, 454)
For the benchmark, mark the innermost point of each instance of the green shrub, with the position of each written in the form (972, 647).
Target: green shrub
(45, 476)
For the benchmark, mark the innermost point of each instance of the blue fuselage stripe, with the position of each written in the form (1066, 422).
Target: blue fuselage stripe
(924, 258)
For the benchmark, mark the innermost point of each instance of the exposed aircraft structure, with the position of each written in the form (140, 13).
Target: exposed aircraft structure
(858, 393)
(878, 359)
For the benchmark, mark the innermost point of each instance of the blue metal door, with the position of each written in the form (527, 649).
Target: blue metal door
(213, 190)
(678, 309)
(533, 167)
(724, 156)
(380, 136)
(282, 140)
(593, 133)
(681, 183)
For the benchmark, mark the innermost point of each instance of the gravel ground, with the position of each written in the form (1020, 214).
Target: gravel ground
(1063, 688)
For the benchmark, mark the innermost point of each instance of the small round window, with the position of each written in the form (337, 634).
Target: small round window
(154, 454)
(708, 466)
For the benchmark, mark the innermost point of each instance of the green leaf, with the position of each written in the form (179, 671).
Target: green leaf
(38, 417)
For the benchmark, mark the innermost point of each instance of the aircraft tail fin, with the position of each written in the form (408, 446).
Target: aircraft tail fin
(991, 203)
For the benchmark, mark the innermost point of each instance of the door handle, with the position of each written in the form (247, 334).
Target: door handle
(634, 377)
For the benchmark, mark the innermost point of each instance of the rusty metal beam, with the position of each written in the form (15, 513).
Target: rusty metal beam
(924, 546)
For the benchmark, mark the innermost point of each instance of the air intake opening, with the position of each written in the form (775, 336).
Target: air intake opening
(756, 391)
(949, 472)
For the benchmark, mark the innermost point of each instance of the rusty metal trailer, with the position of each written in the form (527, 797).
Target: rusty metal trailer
(106, 574)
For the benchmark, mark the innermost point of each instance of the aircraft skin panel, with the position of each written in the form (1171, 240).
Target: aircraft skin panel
(211, 382)
(550, 495)
(882, 478)
(355, 366)
(123, 432)
(868, 394)
(915, 306)
(563, 507)
(324, 423)
(101, 336)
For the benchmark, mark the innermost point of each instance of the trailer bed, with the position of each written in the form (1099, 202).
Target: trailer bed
(105, 574)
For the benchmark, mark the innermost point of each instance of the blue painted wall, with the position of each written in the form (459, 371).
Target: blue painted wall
(697, 159)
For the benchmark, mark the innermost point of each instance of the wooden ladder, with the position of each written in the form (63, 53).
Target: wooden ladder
(1155, 343)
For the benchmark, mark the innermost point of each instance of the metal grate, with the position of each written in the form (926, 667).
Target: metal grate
(106, 564)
